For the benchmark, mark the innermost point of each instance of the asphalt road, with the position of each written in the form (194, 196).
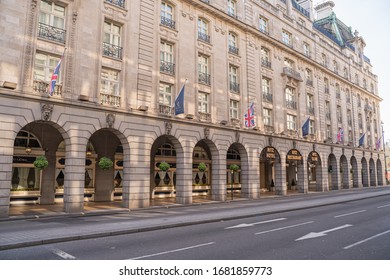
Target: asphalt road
(348, 231)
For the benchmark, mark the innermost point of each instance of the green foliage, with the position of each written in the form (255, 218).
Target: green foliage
(164, 166)
(105, 163)
(202, 167)
(234, 167)
(41, 163)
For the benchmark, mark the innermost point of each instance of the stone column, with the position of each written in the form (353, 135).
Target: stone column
(218, 185)
(75, 174)
(250, 186)
(322, 179)
(303, 184)
(184, 173)
(6, 156)
(280, 176)
(357, 178)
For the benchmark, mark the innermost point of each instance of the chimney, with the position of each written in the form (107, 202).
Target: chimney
(324, 9)
(308, 6)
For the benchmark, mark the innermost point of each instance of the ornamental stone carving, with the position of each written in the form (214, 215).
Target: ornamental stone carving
(46, 111)
(110, 120)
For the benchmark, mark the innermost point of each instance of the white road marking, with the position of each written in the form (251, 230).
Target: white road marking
(352, 213)
(365, 240)
(173, 251)
(276, 229)
(258, 223)
(62, 254)
(387, 205)
(322, 233)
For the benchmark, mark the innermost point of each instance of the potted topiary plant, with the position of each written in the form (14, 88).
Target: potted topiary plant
(105, 163)
(41, 162)
(202, 167)
(164, 166)
(234, 167)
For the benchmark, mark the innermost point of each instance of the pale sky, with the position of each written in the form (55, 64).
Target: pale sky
(372, 20)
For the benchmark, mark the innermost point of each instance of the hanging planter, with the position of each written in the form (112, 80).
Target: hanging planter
(41, 162)
(105, 163)
(234, 167)
(202, 167)
(164, 166)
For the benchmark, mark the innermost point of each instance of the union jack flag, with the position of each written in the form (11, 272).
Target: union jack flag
(340, 135)
(249, 117)
(378, 143)
(54, 77)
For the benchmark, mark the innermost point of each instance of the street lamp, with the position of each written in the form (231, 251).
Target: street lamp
(384, 150)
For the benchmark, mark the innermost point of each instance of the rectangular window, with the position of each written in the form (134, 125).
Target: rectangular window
(203, 102)
(290, 98)
(44, 67)
(233, 78)
(329, 131)
(109, 87)
(263, 24)
(234, 109)
(265, 58)
(233, 48)
(339, 114)
(267, 117)
(310, 104)
(165, 99)
(112, 40)
(306, 49)
(232, 6)
(289, 63)
(51, 21)
(287, 38)
(291, 122)
(166, 14)
(266, 87)
(203, 30)
(203, 70)
(311, 127)
(166, 58)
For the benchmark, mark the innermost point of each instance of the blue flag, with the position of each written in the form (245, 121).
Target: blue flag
(361, 140)
(179, 102)
(305, 128)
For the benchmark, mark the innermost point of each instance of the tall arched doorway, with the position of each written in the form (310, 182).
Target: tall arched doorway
(354, 172)
(201, 177)
(314, 172)
(294, 178)
(269, 158)
(379, 171)
(364, 171)
(372, 169)
(333, 176)
(344, 172)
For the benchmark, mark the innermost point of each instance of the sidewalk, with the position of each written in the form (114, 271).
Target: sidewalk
(66, 227)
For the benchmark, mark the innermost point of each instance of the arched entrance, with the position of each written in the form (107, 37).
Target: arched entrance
(269, 159)
(294, 178)
(333, 172)
(236, 180)
(364, 171)
(379, 171)
(29, 185)
(344, 172)
(373, 182)
(314, 172)
(354, 172)
(202, 170)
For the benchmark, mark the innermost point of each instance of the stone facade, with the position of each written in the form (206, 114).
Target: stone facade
(124, 62)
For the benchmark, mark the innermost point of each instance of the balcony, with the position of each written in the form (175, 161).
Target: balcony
(204, 78)
(235, 122)
(51, 33)
(266, 63)
(165, 109)
(349, 122)
(233, 50)
(338, 96)
(328, 116)
(118, 3)
(234, 87)
(368, 108)
(43, 88)
(203, 116)
(203, 37)
(292, 73)
(110, 99)
(112, 51)
(267, 97)
(310, 110)
(291, 104)
(168, 22)
(327, 90)
(167, 67)
(309, 83)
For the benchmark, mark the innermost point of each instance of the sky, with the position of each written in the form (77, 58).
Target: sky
(371, 19)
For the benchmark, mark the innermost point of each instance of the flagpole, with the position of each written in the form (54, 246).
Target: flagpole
(384, 150)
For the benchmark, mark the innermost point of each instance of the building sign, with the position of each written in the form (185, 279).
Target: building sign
(26, 160)
(294, 155)
(270, 153)
(313, 157)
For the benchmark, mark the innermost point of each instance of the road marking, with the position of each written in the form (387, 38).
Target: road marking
(173, 251)
(62, 254)
(322, 233)
(365, 240)
(387, 205)
(258, 223)
(276, 229)
(352, 213)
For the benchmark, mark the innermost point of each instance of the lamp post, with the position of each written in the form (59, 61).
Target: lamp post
(384, 150)
(232, 178)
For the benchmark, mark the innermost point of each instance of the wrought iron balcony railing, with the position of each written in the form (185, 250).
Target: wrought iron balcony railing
(233, 50)
(292, 73)
(310, 110)
(51, 33)
(234, 87)
(168, 22)
(165, 109)
(291, 104)
(110, 99)
(327, 90)
(328, 116)
(203, 37)
(309, 83)
(266, 63)
(119, 3)
(112, 50)
(268, 97)
(167, 67)
(338, 96)
(204, 78)
(203, 116)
